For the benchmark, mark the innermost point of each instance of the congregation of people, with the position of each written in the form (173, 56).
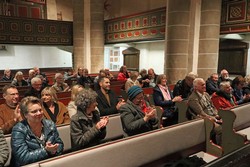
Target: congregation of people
(32, 119)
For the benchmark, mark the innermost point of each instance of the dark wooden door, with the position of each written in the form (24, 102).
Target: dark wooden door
(131, 57)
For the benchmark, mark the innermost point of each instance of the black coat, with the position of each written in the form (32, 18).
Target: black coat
(103, 106)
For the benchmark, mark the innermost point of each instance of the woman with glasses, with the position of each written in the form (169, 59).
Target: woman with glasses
(133, 117)
(35, 138)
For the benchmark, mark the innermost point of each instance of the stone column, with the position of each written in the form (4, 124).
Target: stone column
(209, 37)
(97, 35)
(192, 38)
(177, 39)
(78, 34)
(88, 27)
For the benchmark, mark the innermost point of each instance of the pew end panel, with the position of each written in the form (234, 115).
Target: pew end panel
(182, 109)
(231, 140)
(211, 147)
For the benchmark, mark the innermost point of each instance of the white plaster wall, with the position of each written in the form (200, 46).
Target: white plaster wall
(152, 56)
(23, 57)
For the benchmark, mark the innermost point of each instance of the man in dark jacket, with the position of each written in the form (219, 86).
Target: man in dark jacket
(212, 84)
(107, 100)
(36, 88)
(184, 87)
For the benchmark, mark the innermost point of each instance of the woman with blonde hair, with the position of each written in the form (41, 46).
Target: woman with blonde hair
(53, 109)
(19, 80)
(71, 106)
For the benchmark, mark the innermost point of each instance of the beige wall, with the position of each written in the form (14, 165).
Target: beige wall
(118, 8)
(60, 6)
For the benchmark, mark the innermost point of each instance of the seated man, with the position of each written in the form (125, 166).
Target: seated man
(32, 74)
(201, 105)
(60, 85)
(36, 88)
(183, 87)
(148, 80)
(224, 76)
(38, 72)
(224, 99)
(7, 75)
(85, 80)
(134, 120)
(9, 111)
(212, 84)
(107, 100)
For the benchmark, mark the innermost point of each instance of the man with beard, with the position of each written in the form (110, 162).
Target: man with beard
(9, 111)
(107, 100)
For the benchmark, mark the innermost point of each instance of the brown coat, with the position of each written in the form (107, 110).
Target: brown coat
(62, 116)
(6, 118)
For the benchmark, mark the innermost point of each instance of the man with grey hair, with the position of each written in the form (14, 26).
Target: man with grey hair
(224, 76)
(200, 105)
(7, 75)
(224, 99)
(183, 87)
(36, 88)
(60, 85)
(32, 74)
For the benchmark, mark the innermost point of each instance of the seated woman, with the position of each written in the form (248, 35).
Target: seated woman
(224, 99)
(163, 97)
(60, 85)
(133, 117)
(19, 80)
(52, 108)
(238, 84)
(71, 106)
(132, 80)
(35, 138)
(123, 74)
(86, 127)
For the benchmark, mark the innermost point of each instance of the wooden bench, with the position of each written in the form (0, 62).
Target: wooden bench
(235, 127)
(142, 149)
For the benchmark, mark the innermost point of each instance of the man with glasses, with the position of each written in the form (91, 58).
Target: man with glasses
(9, 111)
(36, 88)
(134, 119)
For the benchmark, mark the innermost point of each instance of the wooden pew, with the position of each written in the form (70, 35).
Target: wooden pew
(63, 94)
(142, 149)
(114, 132)
(235, 127)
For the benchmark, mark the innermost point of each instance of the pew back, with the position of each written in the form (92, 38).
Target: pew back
(133, 150)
